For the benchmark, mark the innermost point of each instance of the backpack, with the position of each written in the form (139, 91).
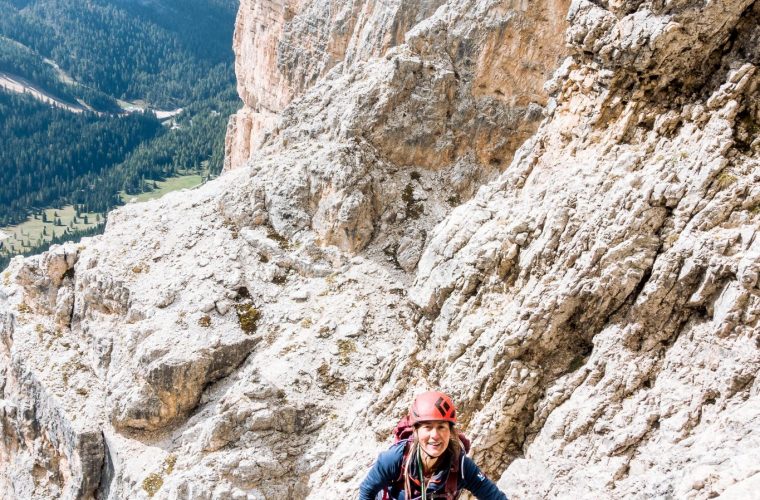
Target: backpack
(404, 431)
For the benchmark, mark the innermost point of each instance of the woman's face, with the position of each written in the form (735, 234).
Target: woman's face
(434, 437)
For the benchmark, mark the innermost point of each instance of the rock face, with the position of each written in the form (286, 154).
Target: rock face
(283, 47)
(587, 288)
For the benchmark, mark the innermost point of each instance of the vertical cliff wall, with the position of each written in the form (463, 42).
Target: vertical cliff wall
(575, 261)
(283, 47)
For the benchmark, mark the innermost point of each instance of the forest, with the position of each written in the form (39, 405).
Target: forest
(104, 54)
(20, 61)
(52, 157)
(129, 50)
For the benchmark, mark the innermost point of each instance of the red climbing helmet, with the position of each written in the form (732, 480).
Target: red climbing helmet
(432, 405)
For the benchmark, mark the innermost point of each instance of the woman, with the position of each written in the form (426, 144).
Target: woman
(432, 464)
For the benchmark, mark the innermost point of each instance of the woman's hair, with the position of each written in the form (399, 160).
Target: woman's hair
(454, 449)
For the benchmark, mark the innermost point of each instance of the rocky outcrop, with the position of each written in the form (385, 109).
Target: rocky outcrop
(586, 289)
(616, 286)
(283, 47)
(52, 438)
(496, 56)
(408, 135)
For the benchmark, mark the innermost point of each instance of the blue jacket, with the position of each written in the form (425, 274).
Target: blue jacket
(387, 470)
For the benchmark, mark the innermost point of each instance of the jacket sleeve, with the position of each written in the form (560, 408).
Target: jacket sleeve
(477, 482)
(385, 471)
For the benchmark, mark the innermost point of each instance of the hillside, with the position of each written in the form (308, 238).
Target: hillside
(100, 63)
(153, 51)
(548, 210)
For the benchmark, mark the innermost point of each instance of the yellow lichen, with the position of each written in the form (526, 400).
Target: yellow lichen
(140, 268)
(725, 179)
(23, 308)
(152, 484)
(155, 480)
(169, 463)
(346, 347)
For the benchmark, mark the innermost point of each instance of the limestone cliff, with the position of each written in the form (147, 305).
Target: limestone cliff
(504, 52)
(576, 262)
(283, 47)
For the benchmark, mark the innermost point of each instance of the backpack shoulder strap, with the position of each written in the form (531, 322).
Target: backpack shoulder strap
(404, 458)
(400, 478)
(451, 489)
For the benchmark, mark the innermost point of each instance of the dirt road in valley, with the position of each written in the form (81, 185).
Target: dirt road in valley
(20, 85)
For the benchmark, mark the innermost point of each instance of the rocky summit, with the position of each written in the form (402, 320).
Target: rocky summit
(548, 209)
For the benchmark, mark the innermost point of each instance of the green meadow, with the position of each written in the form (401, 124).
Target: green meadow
(39, 229)
(45, 225)
(163, 187)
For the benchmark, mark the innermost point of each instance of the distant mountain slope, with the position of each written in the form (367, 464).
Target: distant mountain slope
(94, 55)
(50, 154)
(24, 66)
(156, 51)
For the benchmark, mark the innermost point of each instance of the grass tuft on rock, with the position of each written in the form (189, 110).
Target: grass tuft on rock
(169, 463)
(413, 208)
(281, 241)
(346, 347)
(248, 316)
